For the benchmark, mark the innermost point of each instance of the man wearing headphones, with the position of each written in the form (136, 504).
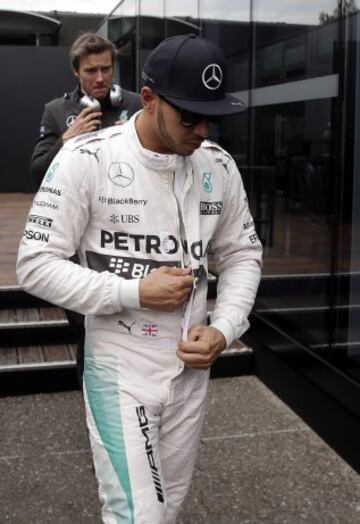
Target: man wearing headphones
(94, 103)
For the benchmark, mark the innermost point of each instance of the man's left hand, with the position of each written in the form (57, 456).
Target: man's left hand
(202, 348)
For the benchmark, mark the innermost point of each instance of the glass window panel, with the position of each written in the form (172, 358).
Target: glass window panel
(121, 29)
(346, 329)
(153, 8)
(294, 11)
(293, 154)
(127, 8)
(292, 179)
(151, 28)
(181, 17)
(185, 8)
(310, 53)
(233, 10)
(294, 148)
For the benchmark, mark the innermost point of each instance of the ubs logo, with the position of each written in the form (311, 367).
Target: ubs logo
(124, 219)
(121, 174)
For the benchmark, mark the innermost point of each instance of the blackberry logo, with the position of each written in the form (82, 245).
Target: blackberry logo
(126, 267)
(119, 266)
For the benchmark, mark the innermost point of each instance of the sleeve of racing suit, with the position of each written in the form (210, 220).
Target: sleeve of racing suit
(238, 254)
(57, 220)
(47, 146)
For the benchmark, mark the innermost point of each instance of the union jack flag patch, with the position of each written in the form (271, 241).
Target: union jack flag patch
(149, 329)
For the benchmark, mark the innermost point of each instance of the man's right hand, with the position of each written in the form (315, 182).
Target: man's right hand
(85, 122)
(166, 288)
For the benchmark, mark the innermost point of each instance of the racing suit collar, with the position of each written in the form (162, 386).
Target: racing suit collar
(150, 159)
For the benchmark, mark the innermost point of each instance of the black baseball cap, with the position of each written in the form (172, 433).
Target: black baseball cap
(190, 72)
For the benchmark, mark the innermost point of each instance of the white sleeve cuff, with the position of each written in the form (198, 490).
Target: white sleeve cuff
(225, 327)
(127, 294)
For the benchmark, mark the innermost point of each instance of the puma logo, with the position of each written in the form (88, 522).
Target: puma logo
(82, 150)
(128, 328)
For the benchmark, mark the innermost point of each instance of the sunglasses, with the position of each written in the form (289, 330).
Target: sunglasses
(189, 119)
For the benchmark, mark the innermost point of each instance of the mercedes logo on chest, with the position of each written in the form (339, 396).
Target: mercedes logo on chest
(121, 174)
(70, 120)
(212, 76)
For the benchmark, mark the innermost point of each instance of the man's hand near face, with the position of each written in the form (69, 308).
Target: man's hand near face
(85, 122)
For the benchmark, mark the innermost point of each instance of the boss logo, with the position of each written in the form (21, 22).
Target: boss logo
(211, 208)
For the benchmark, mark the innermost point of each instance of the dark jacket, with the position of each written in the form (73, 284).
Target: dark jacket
(54, 122)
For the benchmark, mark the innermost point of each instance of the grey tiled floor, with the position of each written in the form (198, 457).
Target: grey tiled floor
(258, 463)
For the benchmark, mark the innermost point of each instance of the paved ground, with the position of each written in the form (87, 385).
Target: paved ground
(258, 463)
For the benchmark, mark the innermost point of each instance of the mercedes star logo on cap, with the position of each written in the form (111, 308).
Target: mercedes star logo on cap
(121, 174)
(212, 76)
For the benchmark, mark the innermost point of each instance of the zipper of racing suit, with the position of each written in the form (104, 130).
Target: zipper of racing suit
(185, 259)
(182, 255)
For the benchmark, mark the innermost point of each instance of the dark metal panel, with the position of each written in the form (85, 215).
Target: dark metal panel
(20, 21)
(14, 297)
(233, 364)
(324, 397)
(32, 76)
(32, 381)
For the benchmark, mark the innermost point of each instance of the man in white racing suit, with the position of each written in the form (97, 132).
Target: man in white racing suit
(141, 204)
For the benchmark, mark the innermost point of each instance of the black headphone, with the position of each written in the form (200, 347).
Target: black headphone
(115, 97)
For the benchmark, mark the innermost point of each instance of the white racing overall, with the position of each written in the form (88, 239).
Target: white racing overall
(116, 204)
